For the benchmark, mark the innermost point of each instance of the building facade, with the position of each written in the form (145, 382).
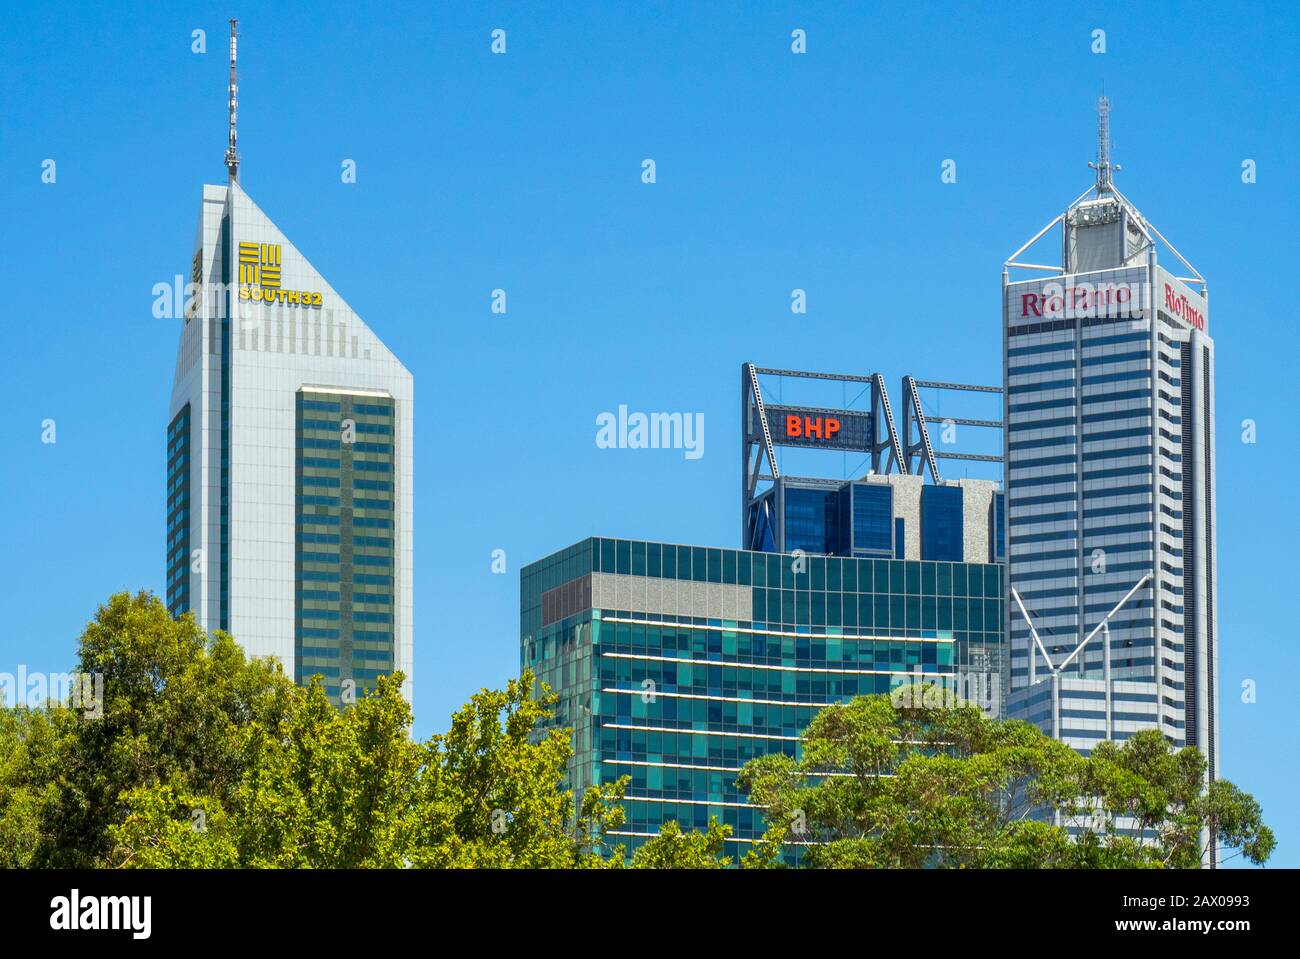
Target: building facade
(289, 471)
(675, 665)
(894, 516)
(1109, 440)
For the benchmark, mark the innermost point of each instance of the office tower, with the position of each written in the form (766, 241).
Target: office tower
(677, 664)
(289, 481)
(886, 508)
(1109, 410)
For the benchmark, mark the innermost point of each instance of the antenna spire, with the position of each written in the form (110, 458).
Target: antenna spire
(232, 156)
(1103, 165)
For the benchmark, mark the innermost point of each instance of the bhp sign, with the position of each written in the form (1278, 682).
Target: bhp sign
(1180, 306)
(811, 427)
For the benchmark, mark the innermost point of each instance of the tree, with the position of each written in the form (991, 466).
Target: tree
(490, 793)
(171, 698)
(674, 849)
(24, 789)
(327, 788)
(166, 829)
(1162, 791)
(889, 782)
(199, 757)
(348, 788)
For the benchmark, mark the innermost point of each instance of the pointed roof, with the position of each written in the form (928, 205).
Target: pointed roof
(250, 223)
(1103, 192)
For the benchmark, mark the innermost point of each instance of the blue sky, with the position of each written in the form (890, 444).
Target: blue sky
(475, 172)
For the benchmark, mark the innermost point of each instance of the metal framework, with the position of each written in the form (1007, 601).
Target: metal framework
(1103, 187)
(1055, 670)
(888, 445)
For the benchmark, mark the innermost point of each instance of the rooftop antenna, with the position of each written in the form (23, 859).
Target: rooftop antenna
(1103, 165)
(232, 156)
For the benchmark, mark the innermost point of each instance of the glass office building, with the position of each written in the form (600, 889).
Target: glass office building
(675, 665)
(289, 461)
(897, 516)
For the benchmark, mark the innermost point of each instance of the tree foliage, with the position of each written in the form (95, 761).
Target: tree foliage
(885, 783)
(200, 757)
(674, 849)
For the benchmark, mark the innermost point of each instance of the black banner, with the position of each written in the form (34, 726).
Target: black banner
(337, 908)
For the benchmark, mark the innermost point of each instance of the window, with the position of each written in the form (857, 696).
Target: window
(873, 510)
(942, 531)
(810, 520)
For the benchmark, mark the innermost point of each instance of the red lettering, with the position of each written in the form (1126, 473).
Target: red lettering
(1030, 301)
(1181, 307)
(811, 427)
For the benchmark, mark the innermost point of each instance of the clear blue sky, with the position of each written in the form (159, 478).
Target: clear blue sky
(522, 172)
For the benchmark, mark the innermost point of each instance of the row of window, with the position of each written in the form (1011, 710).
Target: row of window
(704, 564)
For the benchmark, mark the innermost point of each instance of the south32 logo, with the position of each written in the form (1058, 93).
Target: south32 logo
(259, 277)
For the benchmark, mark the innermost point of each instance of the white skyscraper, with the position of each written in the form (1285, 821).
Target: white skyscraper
(289, 458)
(1110, 481)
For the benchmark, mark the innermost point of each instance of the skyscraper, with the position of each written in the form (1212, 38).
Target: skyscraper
(289, 477)
(889, 510)
(675, 665)
(1109, 445)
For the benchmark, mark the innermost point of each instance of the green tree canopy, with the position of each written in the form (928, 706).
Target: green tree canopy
(172, 700)
(891, 781)
(674, 849)
(201, 757)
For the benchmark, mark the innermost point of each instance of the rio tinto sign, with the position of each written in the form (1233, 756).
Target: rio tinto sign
(1081, 299)
(1180, 306)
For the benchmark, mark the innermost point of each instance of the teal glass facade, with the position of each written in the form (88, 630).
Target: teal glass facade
(675, 665)
(345, 550)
